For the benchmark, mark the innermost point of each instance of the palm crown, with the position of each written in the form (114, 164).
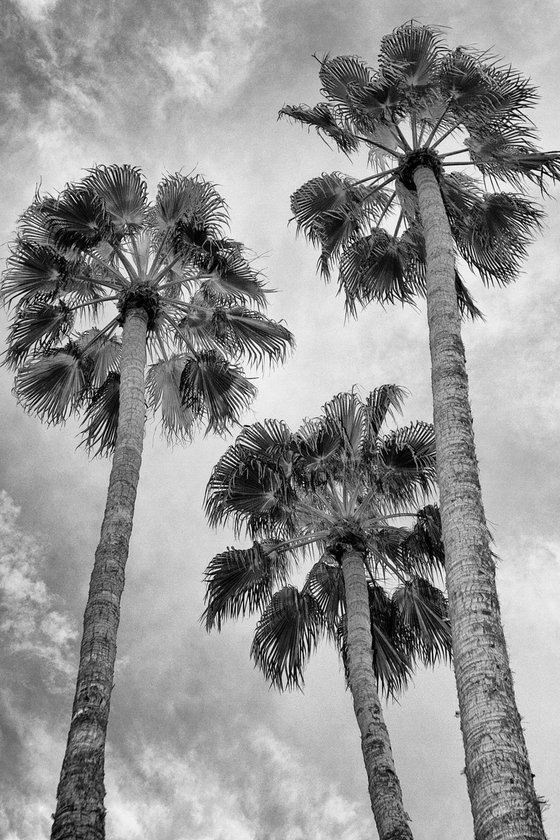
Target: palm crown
(337, 482)
(100, 242)
(424, 105)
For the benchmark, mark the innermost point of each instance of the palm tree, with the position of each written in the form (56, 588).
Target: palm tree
(336, 486)
(180, 290)
(425, 116)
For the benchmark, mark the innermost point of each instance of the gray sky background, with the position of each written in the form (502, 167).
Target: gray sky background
(199, 747)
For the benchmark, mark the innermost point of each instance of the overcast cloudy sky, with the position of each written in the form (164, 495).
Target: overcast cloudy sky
(199, 747)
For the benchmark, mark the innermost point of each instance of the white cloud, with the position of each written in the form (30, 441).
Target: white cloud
(180, 796)
(220, 61)
(29, 620)
(36, 9)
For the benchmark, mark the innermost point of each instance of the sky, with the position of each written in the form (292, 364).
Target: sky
(198, 746)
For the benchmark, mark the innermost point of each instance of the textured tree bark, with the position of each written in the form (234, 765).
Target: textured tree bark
(80, 813)
(383, 783)
(499, 779)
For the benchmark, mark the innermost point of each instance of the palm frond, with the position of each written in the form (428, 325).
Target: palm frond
(163, 391)
(103, 352)
(492, 232)
(463, 80)
(33, 269)
(411, 55)
(422, 551)
(408, 460)
(244, 333)
(52, 386)
(325, 581)
(391, 663)
(77, 218)
(241, 581)
(270, 442)
(512, 94)
(36, 327)
(191, 209)
(211, 385)
(345, 416)
(101, 417)
(250, 486)
(505, 153)
(339, 77)
(380, 102)
(322, 117)
(123, 192)
(381, 403)
(233, 282)
(422, 614)
(332, 210)
(318, 447)
(380, 267)
(288, 632)
(33, 225)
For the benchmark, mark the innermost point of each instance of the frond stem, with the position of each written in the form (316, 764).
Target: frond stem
(93, 302)
(133, 274)
(446, 134)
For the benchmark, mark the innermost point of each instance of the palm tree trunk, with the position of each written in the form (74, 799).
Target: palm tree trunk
(501, 790)
(80, 813)
(383, 783)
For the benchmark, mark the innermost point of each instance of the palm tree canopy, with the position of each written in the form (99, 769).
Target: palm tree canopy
(102, 243)
(340, 480)
(424, 104)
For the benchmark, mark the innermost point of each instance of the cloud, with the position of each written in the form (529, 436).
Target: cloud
(30, 624)
(36, 664)
(252, 792)
(210, 69)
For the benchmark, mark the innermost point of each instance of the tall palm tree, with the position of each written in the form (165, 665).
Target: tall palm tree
(426, 116)
(335, 486)
(180, 290)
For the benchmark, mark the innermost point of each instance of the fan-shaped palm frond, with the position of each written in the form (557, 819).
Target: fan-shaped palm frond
(163, 391)
(36, 328)
(52, 386)
(422, 613)
(379, 267)
(408, 460)
(33, 269)
(239, 331)
(332, 210)
(77, 218)
(326, 583)
(241, 581)
(191, 209)
(410, 55)
(287, 634)
(322, 118)
(101, 417)
(250, 486)
(235, 282)
(381, 403)
(209, 383)
(422, 552)
(339, 76)
(102, 352)
(123, 192)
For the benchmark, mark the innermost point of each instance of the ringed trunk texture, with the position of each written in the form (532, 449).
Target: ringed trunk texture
(500, 784)
(384, 787)
(80, 812)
